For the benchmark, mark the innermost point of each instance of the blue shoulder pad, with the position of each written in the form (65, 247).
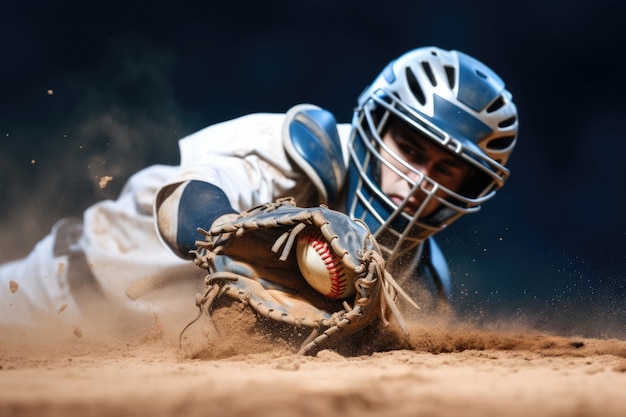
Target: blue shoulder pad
(311, 139)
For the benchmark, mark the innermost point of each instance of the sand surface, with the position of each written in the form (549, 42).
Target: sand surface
(439, 371)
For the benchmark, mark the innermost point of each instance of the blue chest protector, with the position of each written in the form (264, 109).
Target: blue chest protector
(311, 140)
(433, 270)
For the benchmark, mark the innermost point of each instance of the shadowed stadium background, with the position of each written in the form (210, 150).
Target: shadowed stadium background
(105, 89)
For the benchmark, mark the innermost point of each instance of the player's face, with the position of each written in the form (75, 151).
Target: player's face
(426, 157)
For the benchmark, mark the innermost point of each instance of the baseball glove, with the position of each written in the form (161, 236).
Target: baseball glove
(262, 272)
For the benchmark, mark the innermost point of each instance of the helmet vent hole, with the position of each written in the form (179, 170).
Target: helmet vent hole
(450, 75)
(481, 74)
(501, 143)
(429, 73)
(507, 122)
(415, 87)
(498, 103)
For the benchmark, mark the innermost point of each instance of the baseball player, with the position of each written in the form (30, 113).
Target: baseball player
(428, 143)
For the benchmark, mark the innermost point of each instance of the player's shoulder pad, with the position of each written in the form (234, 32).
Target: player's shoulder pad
(438, 269)
(311, 139)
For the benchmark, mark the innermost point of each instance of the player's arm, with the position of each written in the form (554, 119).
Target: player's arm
(182, 208)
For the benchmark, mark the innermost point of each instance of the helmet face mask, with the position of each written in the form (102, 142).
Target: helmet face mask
(427, 95)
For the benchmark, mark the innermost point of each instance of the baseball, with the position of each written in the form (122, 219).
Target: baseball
(321, 268)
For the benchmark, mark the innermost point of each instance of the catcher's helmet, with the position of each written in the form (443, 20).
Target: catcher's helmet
(453, 101)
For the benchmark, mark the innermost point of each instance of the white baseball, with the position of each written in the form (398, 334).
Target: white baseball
(321, 268)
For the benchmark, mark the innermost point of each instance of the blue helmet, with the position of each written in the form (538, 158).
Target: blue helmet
(456, 103)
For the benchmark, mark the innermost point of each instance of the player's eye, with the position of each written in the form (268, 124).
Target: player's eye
(409, 151)
(445, 169)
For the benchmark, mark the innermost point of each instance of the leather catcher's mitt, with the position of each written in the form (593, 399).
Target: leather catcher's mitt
(253, 260)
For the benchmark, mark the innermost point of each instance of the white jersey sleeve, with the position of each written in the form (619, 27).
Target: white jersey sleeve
(245, 158)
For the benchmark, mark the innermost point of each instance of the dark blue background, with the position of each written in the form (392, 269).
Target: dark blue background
(128, 79)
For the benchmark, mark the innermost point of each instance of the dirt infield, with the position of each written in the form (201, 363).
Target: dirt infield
(452, 371)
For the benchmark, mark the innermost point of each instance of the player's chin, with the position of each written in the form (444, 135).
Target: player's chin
(429, 210)
(411, 209)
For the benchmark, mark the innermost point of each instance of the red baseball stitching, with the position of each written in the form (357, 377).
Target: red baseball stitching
(332, 262)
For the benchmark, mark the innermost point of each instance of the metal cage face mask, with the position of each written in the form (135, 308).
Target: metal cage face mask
(421, 92)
